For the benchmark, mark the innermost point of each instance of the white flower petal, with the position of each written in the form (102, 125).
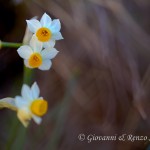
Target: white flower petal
(57, 36)
(50, 43)
(35, 90)
(27, 36)
(46, 64)
(20, 102)
(26, 62)
(25, 52)
(49, 53)
(45, 20)
(26, 93)
(37, 119)
(33, 25)
(55, 26)
(36, 44)
(24, 116)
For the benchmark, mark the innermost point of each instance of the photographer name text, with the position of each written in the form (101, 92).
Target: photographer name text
(124, 137)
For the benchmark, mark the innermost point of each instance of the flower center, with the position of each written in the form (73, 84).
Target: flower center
(39, 107)
(43, 34)
(35, 60)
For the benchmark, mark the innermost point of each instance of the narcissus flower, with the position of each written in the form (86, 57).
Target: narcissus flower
(46, 30)
(35, 57)
(28, 106)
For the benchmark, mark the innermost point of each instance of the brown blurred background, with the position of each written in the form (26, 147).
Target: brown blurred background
(99, 83)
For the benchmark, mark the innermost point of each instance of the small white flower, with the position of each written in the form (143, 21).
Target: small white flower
(35, 57)
(28, 106)
(46, 30)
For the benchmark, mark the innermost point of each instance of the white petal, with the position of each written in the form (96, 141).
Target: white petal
(25, 52)
(26, 93)
(57, 36)
(26, 62)
(20, 102)
(24, 116)
(50, 43)
(37, 119)
(35, 90)
(49, 53)
(36, 44)
(45, 20)
(46, 64)
(55, 26)
(27, 36)
(33, 25)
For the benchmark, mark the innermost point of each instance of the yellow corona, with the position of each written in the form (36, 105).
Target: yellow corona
(39, 107)
(43, 34)
(35, 60)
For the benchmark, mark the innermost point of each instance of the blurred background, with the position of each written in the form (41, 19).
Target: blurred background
(99, 82)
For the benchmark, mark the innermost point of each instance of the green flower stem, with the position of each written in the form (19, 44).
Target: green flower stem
(28, 75)
(18, 131)
(9, 44)
(22, 131)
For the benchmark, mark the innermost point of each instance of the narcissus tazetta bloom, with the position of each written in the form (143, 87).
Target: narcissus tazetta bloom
(35, 57)
(46, 30)
(28, 106)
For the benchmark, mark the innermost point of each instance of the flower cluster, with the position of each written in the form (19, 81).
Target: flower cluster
(40, 51)
(37, 54)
